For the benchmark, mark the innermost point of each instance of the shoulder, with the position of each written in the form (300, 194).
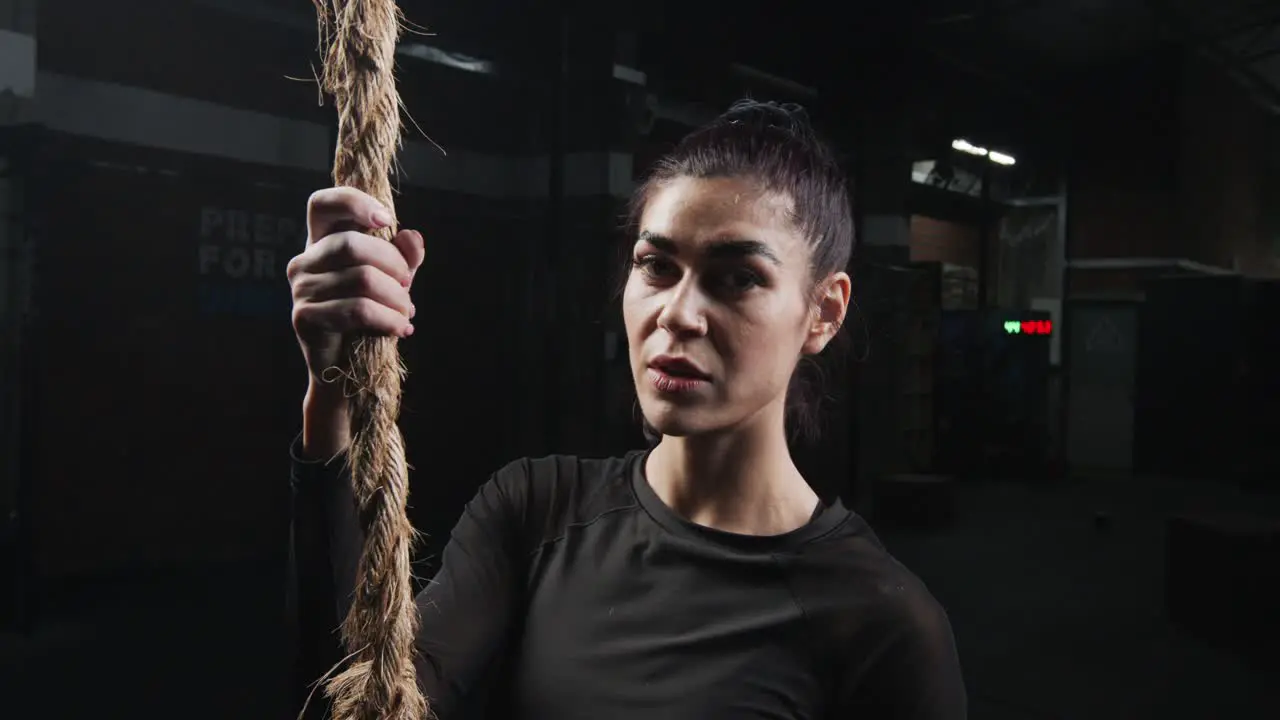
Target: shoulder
(561, 478)
(871, 598)
(550, 493)
(885, 628)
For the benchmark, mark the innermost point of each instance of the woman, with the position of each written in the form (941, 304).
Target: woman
(698, 580)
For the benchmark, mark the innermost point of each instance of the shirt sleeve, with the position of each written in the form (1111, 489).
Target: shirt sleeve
(466, 612)
(319, 544)
(471, 609)
(913, 671)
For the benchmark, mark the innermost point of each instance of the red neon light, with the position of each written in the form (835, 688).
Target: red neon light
(1037, 327)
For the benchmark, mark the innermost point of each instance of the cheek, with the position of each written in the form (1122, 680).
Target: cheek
(766, 347)
(634, 312)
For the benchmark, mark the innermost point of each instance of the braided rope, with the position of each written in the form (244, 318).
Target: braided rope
(359, 40)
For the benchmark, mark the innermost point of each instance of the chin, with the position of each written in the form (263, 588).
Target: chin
(673, 429)
(676, 421)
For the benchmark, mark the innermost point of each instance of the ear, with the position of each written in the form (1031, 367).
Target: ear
(829, 312)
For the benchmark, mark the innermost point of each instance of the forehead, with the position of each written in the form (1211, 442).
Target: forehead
(698, 211)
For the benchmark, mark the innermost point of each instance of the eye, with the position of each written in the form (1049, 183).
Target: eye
(656, 267)
(739, 280)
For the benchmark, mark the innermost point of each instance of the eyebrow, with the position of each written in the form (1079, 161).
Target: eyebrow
(722, 248)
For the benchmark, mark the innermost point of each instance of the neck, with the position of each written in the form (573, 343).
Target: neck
(742, 481)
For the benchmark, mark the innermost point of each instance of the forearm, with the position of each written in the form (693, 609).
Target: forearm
(326, 435)
(326, 420)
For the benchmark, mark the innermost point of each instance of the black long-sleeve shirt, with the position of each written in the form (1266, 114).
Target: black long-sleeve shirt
(568, 590)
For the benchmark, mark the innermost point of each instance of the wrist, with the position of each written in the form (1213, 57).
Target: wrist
(326, 394)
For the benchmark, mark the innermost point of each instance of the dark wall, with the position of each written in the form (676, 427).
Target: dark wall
(945, 241)
(1124, 165)
(1170, 160)
(1225, 174)
(167, 381)
(163, 386)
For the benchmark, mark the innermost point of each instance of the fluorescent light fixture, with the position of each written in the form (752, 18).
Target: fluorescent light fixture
(1000, 158)
(455, 60)
(965, 146)
(629, 75)
(994, 156)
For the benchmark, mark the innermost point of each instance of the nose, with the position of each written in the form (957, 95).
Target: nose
(684, 312)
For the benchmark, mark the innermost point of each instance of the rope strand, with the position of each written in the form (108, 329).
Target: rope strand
(359, 39)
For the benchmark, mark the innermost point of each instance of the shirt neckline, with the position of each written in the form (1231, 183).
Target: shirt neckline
(825, 519)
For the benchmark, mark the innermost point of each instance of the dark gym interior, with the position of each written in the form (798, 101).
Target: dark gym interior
(1060, 408)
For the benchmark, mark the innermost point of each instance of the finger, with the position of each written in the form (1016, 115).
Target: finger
(351, 316)
(364, 281)
(352, 249)
(411, 246)
(333, 209)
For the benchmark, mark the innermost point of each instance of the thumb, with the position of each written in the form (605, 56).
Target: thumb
(411, 246)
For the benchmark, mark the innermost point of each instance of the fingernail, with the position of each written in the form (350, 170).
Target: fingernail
(408, 331)
(383, 218)
(413, 310)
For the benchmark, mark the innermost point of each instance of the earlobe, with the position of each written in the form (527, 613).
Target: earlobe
(819, 336)
(820, 332)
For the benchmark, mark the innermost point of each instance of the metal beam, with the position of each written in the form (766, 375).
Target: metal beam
(777, 81)
(1261, 55)
(1000, 81)
(1047, 201)
(984, 13)
(1222, 33)
(1167, 18)
(1147, 263)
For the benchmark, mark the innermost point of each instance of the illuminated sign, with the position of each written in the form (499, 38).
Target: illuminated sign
(1028, 327)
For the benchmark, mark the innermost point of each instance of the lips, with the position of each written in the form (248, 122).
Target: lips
(678, 367)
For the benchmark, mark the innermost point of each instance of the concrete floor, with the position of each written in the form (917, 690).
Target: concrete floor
(1054, 619)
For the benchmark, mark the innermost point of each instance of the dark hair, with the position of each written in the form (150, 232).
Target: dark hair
(776, 145)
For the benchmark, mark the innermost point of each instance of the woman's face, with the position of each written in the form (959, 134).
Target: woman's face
(719, 305)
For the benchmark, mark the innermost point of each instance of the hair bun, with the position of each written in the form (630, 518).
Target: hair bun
(790, 118)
